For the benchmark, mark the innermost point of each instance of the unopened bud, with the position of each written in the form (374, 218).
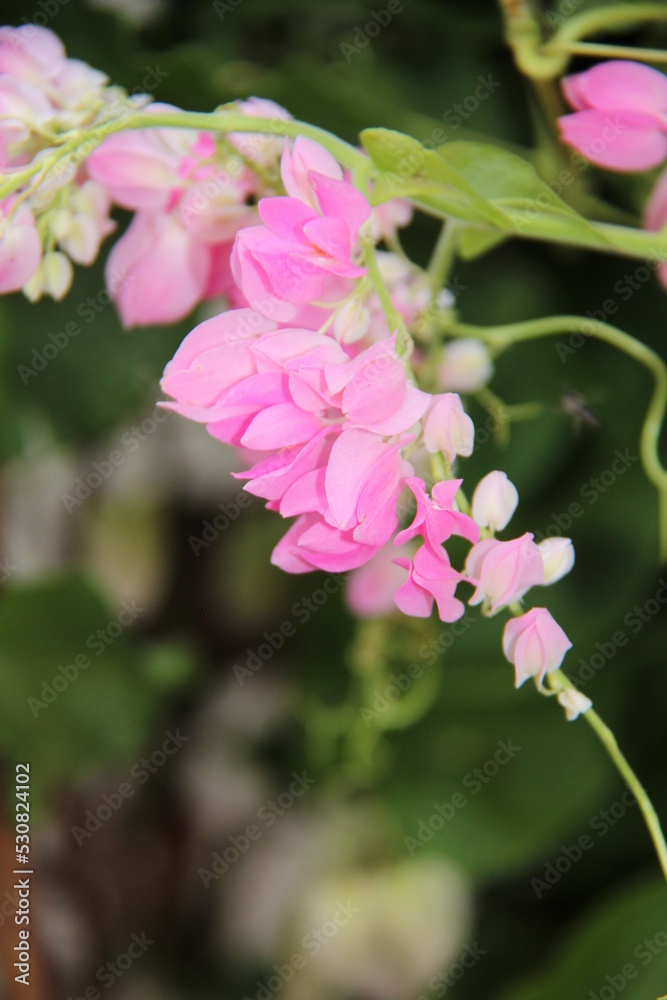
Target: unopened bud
(574, 703)
(352, 322)
(558, 557)
(466, 366)
(494, 501)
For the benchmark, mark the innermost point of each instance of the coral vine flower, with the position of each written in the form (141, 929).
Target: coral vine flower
(504, 571)
(430, 578)
(437, 519)
(306, 236)
(620, 119)
(536, 645)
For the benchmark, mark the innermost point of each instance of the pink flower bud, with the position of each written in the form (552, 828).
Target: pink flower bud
(494, 501)
(558, 556)
(504, 571)
(448, 428)
(574, 703)
(466, 366)
(536, 644)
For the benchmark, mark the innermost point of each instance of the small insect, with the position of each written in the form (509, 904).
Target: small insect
(577, 407)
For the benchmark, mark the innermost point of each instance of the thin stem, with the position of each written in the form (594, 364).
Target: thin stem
(234, 121)
(86, 140)
(560, 682)
(404, 343)
(502, 337)
(595, 50)
(617, 18)
(444, 255)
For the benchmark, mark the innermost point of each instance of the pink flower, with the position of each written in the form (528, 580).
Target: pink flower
(504, 571)
(535, 644)
(165, 270)
(430, 577)
(20, 247)
(30, 53)
(448, 428)
(306, 236)
(362, 482)
(311, 544)
(621, 115)
(144, 168)
(297, 163)
(436, 519)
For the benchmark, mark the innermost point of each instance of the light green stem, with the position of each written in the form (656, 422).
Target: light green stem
(559, 682)
(444, 255)
(595, 50)
(502, 337)
(80, 145)
(404, 342)
(545, 61)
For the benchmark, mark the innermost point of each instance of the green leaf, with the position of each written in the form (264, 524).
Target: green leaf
(408, 169)
(509, 181)
(618, 948)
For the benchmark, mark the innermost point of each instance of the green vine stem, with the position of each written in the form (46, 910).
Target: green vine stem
(558, 681)
(503, 337)
(80, 145)
(404, 342)
(541, 60)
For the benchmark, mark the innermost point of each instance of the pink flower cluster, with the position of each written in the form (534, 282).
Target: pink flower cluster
(330, 420)
(43, 94)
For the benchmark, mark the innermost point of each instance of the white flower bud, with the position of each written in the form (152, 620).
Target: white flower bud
(53, 277)
(466, 366)
(558, 557)
(351, 322)
(494, 501)
(574, 703)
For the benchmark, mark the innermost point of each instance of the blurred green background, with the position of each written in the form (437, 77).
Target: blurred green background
(468, 907)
